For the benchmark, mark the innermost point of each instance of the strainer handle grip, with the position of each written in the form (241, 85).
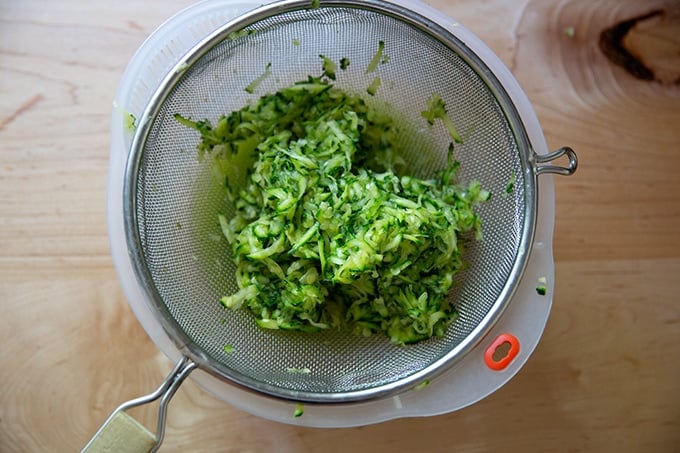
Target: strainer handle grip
(556, 169)
(121, 432)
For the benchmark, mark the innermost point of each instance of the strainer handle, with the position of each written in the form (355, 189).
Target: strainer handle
(121, 432)
(556, 169)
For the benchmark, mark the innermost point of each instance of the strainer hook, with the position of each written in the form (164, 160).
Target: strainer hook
(556, 169)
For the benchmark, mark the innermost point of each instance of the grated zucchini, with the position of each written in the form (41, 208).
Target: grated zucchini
(436, 109)
(329, 231)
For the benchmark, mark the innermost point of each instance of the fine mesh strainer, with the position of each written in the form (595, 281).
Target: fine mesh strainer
(171, 201)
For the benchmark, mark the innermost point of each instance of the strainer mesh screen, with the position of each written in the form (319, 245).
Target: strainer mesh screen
(177, 198)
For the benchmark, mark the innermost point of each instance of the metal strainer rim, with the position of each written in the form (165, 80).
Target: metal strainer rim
(427, 25)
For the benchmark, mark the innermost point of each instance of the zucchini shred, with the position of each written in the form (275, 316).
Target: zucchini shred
(329, 231)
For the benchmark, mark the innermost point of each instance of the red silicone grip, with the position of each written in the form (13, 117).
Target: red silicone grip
(503, 362)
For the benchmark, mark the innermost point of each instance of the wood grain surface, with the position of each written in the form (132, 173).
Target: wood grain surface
(606, 375)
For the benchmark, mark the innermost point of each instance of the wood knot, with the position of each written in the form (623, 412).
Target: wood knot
(646, 46)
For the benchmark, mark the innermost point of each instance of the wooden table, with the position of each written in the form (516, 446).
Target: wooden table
(606, 375)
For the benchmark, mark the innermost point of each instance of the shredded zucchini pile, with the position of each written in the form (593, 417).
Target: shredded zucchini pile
(328, 231)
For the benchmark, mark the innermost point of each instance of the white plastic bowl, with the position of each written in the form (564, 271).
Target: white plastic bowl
(467, 382)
